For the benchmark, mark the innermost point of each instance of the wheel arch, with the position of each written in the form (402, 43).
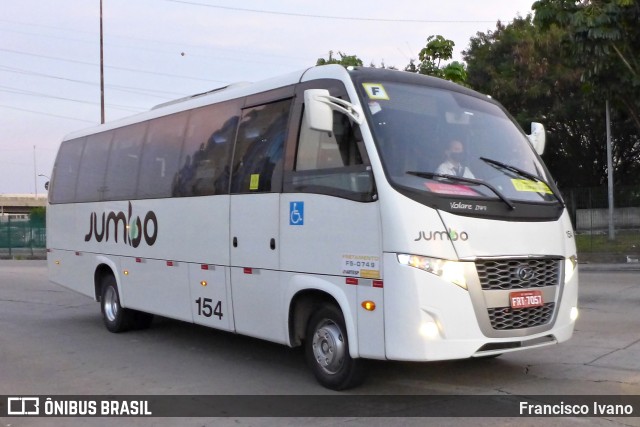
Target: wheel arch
(103, 268)
(305, 301)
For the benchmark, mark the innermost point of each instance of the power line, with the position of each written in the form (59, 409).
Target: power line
(75, 61)
(343, 18)
(139, 91)
(8, 89)
(48, 114)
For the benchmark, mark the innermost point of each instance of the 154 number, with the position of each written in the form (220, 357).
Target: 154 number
(206, 309)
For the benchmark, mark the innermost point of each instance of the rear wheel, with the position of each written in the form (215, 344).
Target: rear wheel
(115, 317)
(327, 350)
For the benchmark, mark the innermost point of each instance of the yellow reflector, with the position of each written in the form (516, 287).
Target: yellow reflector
(368, 305)
(203, 283)
(126, 272)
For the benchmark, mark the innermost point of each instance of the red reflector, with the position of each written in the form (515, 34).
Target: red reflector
(377, 284)
(169, 263)
(352, 281)
(248, 270)
(204, 267)
(138, 259)
(77, 253)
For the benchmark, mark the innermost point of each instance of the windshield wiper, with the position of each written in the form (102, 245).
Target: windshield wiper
(429, 175)
(521, 173)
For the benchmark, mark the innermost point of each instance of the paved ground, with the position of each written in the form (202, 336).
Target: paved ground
(52, 342)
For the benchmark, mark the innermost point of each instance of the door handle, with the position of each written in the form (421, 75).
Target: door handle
(235, 242)
(272, 244)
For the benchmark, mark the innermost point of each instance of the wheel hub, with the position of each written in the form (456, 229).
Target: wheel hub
(329, 347)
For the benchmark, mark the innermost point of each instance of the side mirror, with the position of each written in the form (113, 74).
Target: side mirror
(318, 114)
(537, 137)
(319, 108)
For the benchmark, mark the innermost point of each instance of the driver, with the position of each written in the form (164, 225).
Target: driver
(454, 155)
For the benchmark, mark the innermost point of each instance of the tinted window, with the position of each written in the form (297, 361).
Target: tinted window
(66, 171)
(204, 165)
(161, 156)
(332, 163)
(90, 186)
(259, 148)
(124, 159)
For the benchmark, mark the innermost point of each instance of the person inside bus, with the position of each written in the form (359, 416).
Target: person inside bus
(453, 163)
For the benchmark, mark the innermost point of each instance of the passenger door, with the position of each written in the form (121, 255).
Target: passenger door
(256, 182)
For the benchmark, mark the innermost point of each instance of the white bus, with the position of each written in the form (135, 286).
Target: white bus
(317, 209)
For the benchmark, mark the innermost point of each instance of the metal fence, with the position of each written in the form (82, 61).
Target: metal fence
(589, 208)
(589, 211)
(22, 237)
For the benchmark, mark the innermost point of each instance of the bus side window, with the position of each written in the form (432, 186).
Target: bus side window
(259, 148)
(124, 162)
(332, 162)
(90, 187)
(161, 156)
(66, 171)
(204, 164)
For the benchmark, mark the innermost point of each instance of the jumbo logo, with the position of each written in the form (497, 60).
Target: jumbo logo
(132, 231)
(442, 235)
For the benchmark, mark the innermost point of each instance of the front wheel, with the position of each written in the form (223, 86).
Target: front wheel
(327, 350)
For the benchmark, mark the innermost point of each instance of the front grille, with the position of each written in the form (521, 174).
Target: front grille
(518, 273)
(506, 318)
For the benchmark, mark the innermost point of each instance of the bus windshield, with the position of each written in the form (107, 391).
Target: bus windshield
(451, 144)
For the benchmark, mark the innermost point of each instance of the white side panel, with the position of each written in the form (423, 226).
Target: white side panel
(210, 300)
(155, 287)
(255, 280)
(333, 234)
(370, 323)
(194, 229)
(254, 222)
(257, 304)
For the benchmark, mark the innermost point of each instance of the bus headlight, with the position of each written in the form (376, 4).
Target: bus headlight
(570, 265)
(451, 271)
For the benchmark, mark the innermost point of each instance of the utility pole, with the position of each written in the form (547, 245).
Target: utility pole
(612, 234)
(35, 178)
(101, 71)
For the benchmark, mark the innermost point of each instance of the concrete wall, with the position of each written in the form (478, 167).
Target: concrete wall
(595, 219)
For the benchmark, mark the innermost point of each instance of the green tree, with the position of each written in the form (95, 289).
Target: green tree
(345, 60)
(437, 50)
(526, 70)
(603, 38)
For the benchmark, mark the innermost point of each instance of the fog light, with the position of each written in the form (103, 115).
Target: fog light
(573, 314)
(429, 330)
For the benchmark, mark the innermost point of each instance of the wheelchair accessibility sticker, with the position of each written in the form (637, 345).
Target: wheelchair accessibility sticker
(296, 213)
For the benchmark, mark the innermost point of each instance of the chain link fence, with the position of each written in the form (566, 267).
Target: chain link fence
(589, 211)
(22, 238)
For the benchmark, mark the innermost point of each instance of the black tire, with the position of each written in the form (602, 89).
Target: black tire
(327, 350)
(115, 317)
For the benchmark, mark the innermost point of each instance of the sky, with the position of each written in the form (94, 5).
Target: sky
(159, 50)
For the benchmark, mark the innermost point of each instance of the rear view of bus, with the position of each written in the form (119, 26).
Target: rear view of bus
(361, 213)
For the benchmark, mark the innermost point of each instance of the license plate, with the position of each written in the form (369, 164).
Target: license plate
(526, 299)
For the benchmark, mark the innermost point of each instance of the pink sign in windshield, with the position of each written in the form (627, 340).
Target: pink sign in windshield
(455, 189)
